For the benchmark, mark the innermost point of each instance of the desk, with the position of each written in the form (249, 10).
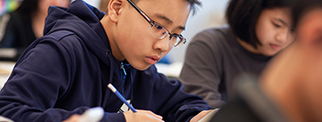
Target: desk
(5, 71)
(170, 70)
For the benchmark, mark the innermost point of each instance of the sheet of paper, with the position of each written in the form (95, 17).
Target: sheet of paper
(5, 71)
(208, 117)
(3, 119)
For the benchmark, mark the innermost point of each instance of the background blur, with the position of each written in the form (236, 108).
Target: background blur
(8, 5)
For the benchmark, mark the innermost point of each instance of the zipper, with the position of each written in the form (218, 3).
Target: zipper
(124, 77)
(122, 67)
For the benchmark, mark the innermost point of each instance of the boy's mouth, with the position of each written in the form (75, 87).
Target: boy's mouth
(152, 60)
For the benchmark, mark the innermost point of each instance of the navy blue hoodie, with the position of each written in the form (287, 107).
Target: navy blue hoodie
(67, 71)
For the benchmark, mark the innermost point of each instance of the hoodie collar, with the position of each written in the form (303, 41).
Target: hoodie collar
(83, 20)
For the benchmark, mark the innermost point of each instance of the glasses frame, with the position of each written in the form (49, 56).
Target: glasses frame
(151, 22)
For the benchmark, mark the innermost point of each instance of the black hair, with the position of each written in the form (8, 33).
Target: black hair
(27, 7)
(193, 4)
(242, 16)
(303, 6)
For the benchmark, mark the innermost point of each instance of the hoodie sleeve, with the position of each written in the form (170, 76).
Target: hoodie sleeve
(167, 97)
(41, 87)
(182, 106)
(39, 79)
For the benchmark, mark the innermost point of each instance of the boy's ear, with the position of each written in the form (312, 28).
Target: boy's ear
(310, 28)
(113, 9)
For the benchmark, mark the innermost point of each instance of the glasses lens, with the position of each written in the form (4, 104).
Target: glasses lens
(177, 40)
(158, 31)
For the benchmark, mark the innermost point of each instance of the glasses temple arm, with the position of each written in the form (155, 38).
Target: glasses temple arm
(141, 12)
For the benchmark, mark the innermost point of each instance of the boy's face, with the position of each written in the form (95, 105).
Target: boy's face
(132, 39)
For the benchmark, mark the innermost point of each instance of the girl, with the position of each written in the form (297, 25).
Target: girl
(258, 30)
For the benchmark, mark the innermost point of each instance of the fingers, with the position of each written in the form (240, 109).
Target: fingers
(142, 115)
(202, 114)
(151, 113)
(73, 118)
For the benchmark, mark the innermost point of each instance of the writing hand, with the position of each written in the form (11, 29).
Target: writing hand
(200, 115)
(142, 116)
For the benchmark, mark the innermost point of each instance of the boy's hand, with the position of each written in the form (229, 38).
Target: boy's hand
(73, 118)
(142, 116)
(200, 115)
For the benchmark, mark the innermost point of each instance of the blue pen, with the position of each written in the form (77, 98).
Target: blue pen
(117, 93)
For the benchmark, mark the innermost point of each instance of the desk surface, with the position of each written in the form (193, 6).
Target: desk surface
(5, 71)
(170, 70)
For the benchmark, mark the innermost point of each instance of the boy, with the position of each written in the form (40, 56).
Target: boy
(67, 71)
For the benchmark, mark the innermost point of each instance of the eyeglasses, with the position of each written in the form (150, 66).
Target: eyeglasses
(159, 31)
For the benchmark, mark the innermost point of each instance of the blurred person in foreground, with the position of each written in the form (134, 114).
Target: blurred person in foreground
(297, 71)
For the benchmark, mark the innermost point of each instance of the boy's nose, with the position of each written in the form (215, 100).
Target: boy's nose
(162, 44)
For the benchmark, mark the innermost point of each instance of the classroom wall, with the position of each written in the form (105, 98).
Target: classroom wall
(93, 2)
(211, 14)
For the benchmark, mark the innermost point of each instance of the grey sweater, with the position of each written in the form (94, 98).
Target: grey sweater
(213, 59)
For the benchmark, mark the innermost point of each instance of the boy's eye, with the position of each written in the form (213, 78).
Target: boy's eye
(175, 36)
(158, 26)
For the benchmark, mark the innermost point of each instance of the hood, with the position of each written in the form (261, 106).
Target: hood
(83, 20)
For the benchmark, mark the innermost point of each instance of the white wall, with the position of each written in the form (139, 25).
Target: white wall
(211, 14)
(93, 2)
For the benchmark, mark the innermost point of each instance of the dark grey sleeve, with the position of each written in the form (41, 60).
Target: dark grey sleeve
(202, 69)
